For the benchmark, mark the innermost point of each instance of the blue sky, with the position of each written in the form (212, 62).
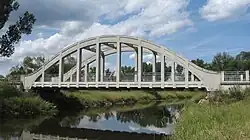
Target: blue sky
(193, 28)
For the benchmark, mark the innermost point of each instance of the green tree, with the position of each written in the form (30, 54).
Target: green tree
(222, 61)
(199, 62)
(243, 56)
(13, 35)
(28, 65)
(92, 70)
(127, 69)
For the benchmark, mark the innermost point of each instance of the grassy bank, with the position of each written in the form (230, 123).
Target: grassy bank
(26, 107)
(107, 98)
(13, 103)
(226, 118)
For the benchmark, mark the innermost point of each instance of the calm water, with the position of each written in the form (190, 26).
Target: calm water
(150, 121)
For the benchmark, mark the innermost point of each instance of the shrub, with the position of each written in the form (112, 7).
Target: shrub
(7, 90)
(237, 93)
(26, 106)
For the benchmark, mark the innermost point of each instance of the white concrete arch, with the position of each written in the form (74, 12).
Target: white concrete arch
(208, 79)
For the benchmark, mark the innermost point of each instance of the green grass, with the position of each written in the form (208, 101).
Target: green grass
(181, 94)
(215, 122)
(99, 98)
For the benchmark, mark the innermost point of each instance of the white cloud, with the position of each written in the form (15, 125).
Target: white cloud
(78, 20)
(133, 128)
(146, 57)
(222, 9)
(132, 56)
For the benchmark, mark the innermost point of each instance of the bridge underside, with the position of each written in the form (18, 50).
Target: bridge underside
(168, 69)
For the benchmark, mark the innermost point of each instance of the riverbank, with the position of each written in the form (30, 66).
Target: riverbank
(226, 116)
(95, 98)
(22, 107)
(15, 104)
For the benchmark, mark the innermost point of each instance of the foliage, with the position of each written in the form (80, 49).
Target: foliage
(225, 62)
(201, 63)
(31, 64)
(102, 98)
(233, 94)
(218, 122)
(7, 90)
(13, 35)
(28, 65)
(26, 107)
(237, 93)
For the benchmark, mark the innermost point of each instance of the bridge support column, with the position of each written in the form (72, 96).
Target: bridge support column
(102, 67)
(247, 75)
(136, 66)
(78, 67)
(192, 77)
(86, 71)
(154, 67)
(186, 75)
(222, 76)
(61, 68)
(162, 70)
(118, 63)
(71, 78)
(98, 56)
(173, 72)
(43, 75)
(140, 56)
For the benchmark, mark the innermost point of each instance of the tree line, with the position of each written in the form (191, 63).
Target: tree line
(226, 62)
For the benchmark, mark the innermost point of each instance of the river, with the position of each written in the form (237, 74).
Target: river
(133, 122)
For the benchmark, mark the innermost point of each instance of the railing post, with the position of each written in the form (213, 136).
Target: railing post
(154, 67)
(162, 70)
(222, 76)
(247, 75)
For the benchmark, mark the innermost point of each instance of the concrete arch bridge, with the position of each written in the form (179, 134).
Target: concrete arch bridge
(79, 76)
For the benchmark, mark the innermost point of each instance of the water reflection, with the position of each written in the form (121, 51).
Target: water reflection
(148, 121)
(12, 129)
(152, 120)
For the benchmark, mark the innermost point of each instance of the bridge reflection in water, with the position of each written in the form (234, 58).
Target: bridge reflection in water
(147, 123)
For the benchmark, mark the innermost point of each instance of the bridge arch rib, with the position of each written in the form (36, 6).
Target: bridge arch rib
(207, 79)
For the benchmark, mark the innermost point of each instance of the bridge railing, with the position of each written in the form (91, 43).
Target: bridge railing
(235, 76)
(125, 77)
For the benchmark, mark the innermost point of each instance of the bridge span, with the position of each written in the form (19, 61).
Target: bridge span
(191, 76)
